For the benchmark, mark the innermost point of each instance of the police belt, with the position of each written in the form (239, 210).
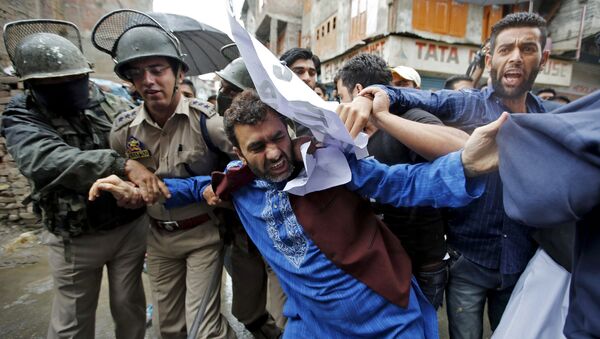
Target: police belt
(175, 225)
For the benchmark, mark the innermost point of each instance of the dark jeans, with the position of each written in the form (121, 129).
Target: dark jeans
(469, 286)
(433, 283)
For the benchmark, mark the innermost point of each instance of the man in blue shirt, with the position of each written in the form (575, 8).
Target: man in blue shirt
(488, 250)
(337, 285)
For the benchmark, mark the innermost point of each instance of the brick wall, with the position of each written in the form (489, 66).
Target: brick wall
(14, 187)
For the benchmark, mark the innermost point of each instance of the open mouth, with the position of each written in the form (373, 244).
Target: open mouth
(512, 77)
(279, 167)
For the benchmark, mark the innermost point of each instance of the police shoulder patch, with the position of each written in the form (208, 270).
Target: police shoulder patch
(136, 149)
(205, 107)
(124, 119)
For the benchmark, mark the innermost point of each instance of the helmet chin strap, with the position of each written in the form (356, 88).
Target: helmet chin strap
(176, 87)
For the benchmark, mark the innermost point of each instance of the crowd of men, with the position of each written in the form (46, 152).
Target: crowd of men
(197, 186)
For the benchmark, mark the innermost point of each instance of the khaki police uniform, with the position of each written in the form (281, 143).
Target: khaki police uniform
(184, 245)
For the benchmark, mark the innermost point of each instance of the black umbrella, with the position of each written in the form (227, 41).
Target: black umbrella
(200, 43)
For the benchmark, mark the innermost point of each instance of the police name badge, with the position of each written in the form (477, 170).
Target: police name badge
(136, 149)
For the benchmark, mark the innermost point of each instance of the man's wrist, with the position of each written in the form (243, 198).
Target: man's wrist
(379, 117)
(469, 171)
(119, 167)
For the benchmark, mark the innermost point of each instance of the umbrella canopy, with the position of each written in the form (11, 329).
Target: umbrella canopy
(200, 43)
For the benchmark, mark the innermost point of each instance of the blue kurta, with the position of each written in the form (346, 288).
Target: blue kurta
(323, 300)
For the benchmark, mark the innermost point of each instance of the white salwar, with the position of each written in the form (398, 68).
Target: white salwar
(539, 302)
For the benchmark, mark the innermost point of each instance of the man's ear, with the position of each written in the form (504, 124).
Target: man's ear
(488, 61)
(239, 155)
(358, 88)
(544, 60)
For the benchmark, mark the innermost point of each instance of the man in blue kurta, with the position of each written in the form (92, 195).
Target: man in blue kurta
(328, 295)
(345, 274)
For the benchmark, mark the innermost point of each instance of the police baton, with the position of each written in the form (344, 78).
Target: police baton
(216, 279)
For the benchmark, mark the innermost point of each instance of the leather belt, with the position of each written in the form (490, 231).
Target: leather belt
(175, 225)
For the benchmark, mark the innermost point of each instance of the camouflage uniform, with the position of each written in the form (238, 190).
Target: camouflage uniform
(62, 156)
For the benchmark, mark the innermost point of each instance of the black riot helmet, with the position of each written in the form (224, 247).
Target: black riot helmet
(128, 35)
(41, 49)
(237, 73)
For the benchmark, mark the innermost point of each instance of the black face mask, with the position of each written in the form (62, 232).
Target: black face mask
(63, 98)
(223, 103)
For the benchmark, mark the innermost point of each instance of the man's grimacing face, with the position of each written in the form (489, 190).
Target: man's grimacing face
(516, 60)
(266, 148)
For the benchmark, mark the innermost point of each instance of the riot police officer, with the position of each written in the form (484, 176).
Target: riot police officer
(57, 132)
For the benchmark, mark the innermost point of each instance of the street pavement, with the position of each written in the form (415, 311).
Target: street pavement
(26, 293)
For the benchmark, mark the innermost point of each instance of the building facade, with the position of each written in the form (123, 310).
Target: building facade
(438, 38)
(277, 24)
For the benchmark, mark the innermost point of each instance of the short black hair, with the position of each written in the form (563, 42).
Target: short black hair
(291, 55)
(547, 89)
(520, 19)
(246, 109)
(322, 87)
(189, 83)
(449, 83)
(365, 69)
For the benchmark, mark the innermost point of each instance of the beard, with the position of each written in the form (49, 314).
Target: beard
(268, 175)
(515, 92)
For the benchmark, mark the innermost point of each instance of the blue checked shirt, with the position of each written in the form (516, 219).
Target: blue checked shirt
(481, 231)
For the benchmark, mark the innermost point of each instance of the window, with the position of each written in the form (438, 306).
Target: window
(281, 42)
(440, 16)
(491, 15)
(326, 36)
(358, 20)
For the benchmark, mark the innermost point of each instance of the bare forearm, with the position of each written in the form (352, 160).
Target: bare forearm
(429, 141)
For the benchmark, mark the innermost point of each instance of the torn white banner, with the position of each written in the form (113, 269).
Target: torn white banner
(321, 170)
(283, 91)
